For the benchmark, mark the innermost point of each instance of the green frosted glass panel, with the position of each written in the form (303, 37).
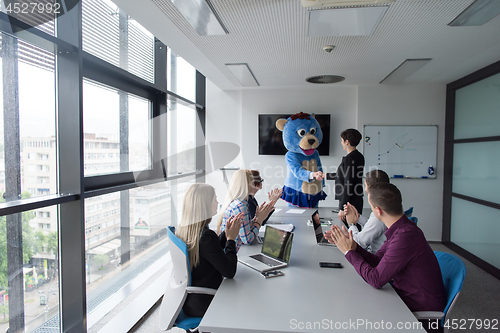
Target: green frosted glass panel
(476, 228)
(475, 170)
(477, 109)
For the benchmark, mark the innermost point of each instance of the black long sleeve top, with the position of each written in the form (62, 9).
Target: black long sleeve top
(349, 180)
(252, 208)
(217, 260)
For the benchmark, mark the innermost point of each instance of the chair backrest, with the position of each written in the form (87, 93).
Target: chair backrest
(176, 292)
(180, 257)
(413, 218)
(453, 271)
(409, 212)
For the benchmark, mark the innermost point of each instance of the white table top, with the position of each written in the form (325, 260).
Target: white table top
(307, 298)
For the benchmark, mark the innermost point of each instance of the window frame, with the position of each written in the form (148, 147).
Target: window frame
(72, 65)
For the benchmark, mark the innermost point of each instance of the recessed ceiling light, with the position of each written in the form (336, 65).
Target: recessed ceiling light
(407, 68)
(243, 74)
(360, 21)
(325, 79)
(478, 13)
(202, 16)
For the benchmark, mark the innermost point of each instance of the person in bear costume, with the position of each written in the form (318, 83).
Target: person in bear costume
(305, 179)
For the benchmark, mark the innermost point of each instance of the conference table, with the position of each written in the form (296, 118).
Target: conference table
(307, 298)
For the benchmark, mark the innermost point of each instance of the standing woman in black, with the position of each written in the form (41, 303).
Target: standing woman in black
(349, 178)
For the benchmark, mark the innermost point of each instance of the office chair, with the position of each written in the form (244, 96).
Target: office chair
(453, 272)
(409, 212)
(413, 218)
(171, 313)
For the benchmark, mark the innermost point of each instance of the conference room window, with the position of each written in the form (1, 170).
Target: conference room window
(472, 200)
(28, 117)
(181, 76)
(84, 168)
(113, 36)
(116, 129)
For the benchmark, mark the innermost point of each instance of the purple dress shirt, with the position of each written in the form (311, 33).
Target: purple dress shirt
(406, 258)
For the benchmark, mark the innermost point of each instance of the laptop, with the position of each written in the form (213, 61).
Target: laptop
(275, 252)
(318, 230)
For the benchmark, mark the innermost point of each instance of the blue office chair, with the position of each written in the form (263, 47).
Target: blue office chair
(409, 212)
(453, 272)
(413, 218)
(171, 313)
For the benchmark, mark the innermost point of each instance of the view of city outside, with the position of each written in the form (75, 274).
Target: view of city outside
(37, 146)
(128, 224)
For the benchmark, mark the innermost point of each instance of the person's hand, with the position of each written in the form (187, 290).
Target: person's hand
(275, 194)
(341, 238)
(233, 226)
(341, 215)
(351, 214)
(263, 211)
(318, 175)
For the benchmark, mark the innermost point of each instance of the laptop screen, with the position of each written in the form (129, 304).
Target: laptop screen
(277, 243)
(317, 226)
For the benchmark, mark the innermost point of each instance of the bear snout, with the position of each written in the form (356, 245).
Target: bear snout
(311, 141)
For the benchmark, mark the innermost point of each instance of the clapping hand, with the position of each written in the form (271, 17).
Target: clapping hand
(275, 194)
(233, 226)
(341, 238)
(263, 211)
(351, 213)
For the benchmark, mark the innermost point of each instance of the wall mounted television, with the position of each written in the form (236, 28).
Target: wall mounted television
(271, 138)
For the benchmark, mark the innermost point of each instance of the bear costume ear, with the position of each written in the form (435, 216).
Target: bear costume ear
(280, 124)
(313, 115)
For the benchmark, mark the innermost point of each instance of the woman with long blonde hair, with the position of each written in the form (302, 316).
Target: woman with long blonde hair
(236, 204)
(209, 261)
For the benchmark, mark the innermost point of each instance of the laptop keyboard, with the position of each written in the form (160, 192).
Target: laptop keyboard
(265, 260)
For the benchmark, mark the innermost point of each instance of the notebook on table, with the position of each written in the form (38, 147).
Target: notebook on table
(275, 252)
(318, 230)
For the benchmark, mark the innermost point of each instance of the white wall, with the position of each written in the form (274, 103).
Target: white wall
(411, 105)
(223, 124)
(233, 117)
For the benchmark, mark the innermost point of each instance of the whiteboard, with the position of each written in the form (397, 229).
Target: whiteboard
(401, 151)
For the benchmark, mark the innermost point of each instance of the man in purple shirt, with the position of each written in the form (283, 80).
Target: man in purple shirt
(405, 258)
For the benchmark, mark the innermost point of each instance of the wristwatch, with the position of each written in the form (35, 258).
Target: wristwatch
(352, 225)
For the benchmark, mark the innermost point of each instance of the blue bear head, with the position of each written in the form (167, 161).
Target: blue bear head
(301, 133)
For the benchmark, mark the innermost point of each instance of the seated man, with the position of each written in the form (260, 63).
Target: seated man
(372, 236)
(405, 257)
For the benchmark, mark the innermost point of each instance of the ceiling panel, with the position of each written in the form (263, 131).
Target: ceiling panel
(271, 37)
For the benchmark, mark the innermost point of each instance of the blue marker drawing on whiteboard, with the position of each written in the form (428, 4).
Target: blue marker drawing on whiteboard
(431, 170)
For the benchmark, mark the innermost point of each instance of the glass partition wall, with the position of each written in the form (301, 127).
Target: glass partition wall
(472, 155)
(96, 153)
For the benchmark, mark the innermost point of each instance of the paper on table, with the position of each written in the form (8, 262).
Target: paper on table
(296, 211)
(277, 210)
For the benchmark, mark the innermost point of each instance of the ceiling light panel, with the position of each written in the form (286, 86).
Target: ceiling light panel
(407, 68)
(243, 74)
(478, 13)
(202, 16)
(362, 21)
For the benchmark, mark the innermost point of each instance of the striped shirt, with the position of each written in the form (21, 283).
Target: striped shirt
(248, 231)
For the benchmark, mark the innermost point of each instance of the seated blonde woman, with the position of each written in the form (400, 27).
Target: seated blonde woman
(211, 257)
(236, 203)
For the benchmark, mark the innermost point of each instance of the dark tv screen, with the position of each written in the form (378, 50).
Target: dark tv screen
(271, 138)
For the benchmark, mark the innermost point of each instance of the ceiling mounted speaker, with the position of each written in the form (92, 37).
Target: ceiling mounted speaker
(341, 3)
(324, 79)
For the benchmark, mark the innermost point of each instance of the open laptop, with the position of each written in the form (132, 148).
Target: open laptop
(318, 230)
(275, 251)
